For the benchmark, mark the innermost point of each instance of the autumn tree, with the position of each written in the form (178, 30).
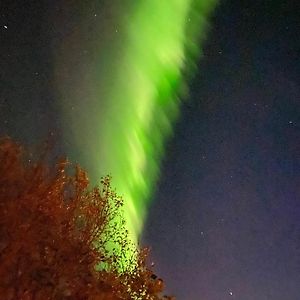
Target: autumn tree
(54, 232)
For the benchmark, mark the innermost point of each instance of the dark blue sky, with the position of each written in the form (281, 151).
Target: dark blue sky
(225, 223)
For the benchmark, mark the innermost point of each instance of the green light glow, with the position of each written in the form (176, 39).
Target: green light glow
(127, 98)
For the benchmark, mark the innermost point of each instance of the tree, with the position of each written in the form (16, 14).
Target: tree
(54, 233)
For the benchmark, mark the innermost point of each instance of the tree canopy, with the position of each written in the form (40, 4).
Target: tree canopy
(61, 239)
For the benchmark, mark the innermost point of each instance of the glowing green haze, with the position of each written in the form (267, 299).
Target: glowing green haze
(121, 95)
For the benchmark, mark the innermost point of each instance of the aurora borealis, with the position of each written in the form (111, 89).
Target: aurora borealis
(127, 109)
(222, 218)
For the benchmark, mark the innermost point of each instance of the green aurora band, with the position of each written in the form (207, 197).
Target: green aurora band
(121, 101)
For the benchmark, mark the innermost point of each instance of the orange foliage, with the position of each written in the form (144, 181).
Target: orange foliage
(49, 222)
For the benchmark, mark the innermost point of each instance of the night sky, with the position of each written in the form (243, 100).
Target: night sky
(225, 221)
